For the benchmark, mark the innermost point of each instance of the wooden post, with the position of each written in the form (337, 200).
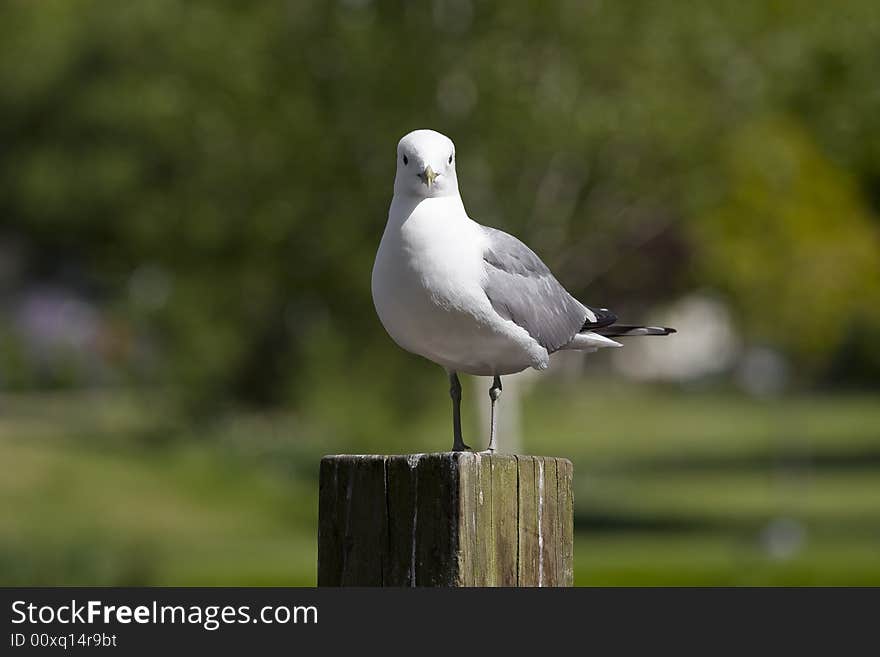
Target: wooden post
(446, 519)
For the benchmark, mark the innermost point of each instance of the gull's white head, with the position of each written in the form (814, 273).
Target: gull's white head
(426, 165)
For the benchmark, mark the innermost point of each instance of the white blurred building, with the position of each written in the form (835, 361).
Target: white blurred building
(707, 344)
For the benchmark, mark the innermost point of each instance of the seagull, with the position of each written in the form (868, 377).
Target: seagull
(468, 297)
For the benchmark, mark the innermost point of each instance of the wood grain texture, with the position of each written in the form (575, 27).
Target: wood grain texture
(565, 475)
(505, 519)
(401, 492)
(548, 551)
(528, 522)
(484, 538)
(436, 538)
(467, 522)
(445, 519)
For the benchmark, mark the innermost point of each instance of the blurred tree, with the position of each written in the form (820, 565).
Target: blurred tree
(792, 244)
(215, 175)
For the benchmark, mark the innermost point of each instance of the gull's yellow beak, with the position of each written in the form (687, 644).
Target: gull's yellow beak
(428, 176)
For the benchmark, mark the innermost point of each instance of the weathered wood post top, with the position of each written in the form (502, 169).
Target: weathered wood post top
(445, 519)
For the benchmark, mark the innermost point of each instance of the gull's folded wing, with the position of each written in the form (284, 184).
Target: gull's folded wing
(522, 289)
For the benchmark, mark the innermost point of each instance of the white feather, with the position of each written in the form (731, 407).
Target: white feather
(590, 342)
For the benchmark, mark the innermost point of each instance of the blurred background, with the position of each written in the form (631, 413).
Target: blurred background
(192, 194)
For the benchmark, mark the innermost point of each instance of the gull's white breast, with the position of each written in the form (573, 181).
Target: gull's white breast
(428, 291)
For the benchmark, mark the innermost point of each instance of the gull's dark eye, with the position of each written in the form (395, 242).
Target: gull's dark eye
(405, 160)
(450, 159)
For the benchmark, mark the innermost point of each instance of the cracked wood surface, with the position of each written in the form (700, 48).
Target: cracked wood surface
(445, 519)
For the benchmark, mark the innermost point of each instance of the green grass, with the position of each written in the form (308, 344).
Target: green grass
(182, 514)
(651, 559)
(841, 497)
(616, 423)
(670, 488)
(683, 488)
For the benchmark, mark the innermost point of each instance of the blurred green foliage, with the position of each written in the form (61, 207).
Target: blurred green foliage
(191, 195)
(805, 280)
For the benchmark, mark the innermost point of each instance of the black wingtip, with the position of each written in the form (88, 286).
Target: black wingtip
(604, 317)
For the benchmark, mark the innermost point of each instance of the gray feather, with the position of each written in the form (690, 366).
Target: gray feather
(522, 289)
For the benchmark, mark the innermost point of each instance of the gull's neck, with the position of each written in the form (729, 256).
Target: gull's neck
(403, 206)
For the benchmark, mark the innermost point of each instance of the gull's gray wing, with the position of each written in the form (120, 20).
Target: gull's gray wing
(522, 289)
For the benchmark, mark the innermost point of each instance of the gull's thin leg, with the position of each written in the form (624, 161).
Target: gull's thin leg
(455, 392)
(494, 394)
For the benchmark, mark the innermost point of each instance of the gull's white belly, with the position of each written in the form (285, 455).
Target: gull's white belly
(427, 289)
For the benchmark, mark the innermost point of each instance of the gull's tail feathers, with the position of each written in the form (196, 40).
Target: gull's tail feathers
(626, 330)
(597, 334)
(589, 341)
